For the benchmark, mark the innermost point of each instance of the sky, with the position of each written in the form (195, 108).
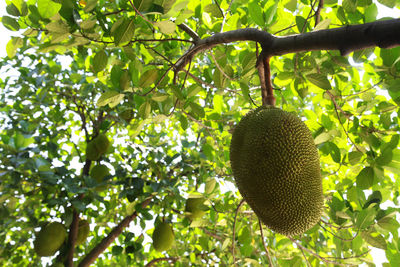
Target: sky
(377, 254)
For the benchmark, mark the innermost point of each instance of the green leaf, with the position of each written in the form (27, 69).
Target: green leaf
(365, 218)
(388, 3)
(47, 8)
(270, 13)
(143, 5)
(90, 5)
(159, 97)
(88, 24)
(57, 27)
(166, 26)
(360, 55)
(370, 13)
(255, 12)
(210, 185)
(148, 77)
(385, 158)
(374, 239)
(197, 109)
(365, 178)
(13, 10)
(334, 152)
(323, 25)
(350, 5)
(354, 157)
(213, 10)
(124, 32)
(13, 45)
(10, 23)
(388, 223)
(300, 22)
(144, 110)
(112, 98)
(125, 80)
(291, 5)
(100, 61)
(319, 80)
(323, 137)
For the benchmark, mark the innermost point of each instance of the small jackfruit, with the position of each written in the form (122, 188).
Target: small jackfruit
(49, 239)
(97, 147)
(91, 152)
(99, 172)
(83, 231)
(126, 115)
(163, 237)
(195, 208)
(102, 143)
(276, 167)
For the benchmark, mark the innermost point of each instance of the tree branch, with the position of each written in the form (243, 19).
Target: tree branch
(384, 34)
(189, 31)
(154, 261)
(318, 12)
(264, 244)
(106, 242)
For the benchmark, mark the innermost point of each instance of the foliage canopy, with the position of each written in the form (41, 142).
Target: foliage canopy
(92, 67)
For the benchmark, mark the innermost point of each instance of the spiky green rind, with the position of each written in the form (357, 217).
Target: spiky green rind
(276, 167)
(97, 147)
(102, 143)
(83, 232)
(98, 173)
(49, 239)
(163, 237)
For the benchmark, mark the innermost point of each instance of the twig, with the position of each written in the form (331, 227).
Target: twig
(154, 261)
(234, 231)
(318, 256)
(197, 121)
(305, 257)
(226, 13)
(265, 245)
(338, 237)
(318, 12)
(160, 40)
(220, 9)
(138, 12)
(220, 238)
(220, 68)
(338, 117)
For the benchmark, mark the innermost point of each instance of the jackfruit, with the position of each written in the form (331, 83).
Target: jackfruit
(195, 208)
(163, 237)
(99, 172)
(49, 239)
(102, 143)
(97, 147)
(83, 232)
(276, 167)
(91, 152)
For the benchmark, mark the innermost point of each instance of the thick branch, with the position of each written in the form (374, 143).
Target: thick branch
(221, 38)
(73, 233)
(106, 242)
(384, 34)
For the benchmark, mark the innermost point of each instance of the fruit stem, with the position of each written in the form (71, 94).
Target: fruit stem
(264, 72)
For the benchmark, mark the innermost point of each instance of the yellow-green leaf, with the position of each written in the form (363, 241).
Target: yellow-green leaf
(112, 98)
(166, 26)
